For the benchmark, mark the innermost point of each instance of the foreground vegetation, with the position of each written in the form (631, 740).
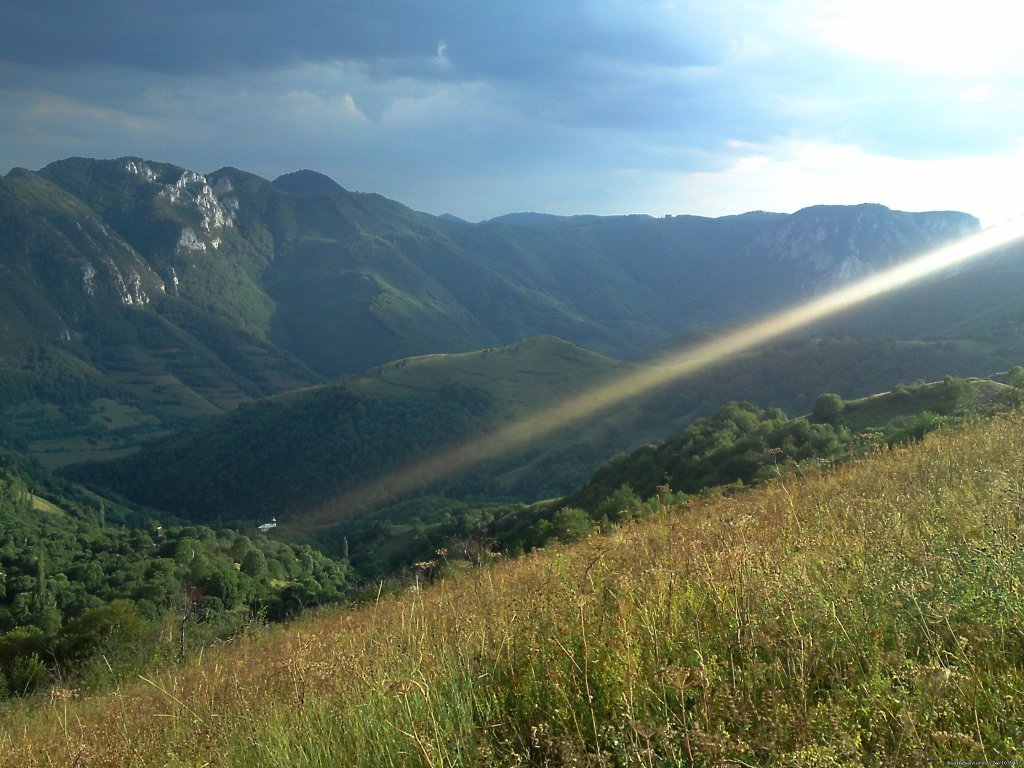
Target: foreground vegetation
(92, 591)
(85, 599)
(869, 614)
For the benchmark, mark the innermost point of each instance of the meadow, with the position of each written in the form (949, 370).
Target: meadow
(866, 614)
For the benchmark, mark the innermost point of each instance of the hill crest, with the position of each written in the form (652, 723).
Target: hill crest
(307, 183)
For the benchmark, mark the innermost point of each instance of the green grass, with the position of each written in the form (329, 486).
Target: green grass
(114, 415)
(101, 429)
(868, 615)
(45, 506)
(521, 379)
(524, 379)
(53, 454)
(877, 411)
(524, 375)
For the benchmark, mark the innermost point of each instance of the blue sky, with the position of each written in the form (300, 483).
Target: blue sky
(482, 108)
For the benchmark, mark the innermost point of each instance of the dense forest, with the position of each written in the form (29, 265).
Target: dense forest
(293, 457)
(80, 594)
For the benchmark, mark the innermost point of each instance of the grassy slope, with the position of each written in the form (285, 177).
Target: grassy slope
(524, 379)
(867, 615)
(527, 374)
(310, 440)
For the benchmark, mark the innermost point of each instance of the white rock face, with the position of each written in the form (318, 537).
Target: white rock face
(89, 278)
(834, 245)
(128, 287)
(140, 169)
(192, 190)
(189, 242)
(131, 290)
(222, 187)
(225, 193)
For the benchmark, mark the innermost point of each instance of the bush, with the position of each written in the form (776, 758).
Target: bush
(26, 675)
(827, 409)
(570, 524)
(116, 630)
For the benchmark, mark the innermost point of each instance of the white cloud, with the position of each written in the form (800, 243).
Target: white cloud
(928, 36)
(442, 55)
(49, 109)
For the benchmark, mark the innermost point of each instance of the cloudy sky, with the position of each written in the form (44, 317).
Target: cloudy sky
(481, 107)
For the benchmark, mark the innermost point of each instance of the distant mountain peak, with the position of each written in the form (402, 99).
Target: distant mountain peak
(307, 183)
(836, 244)
(453, 217)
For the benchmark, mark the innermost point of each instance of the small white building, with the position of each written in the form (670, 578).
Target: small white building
(267, 526)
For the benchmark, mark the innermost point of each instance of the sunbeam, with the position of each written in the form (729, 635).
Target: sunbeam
(669, 368)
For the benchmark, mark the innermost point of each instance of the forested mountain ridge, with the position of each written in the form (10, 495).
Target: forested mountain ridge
(142, 295)
(345, 280)
(138, 296)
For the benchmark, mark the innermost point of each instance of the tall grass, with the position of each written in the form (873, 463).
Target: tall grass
(871, 614)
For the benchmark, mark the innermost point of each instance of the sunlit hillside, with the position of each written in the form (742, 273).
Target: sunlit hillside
(868, 614)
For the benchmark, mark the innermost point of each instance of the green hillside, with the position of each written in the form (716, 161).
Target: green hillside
(867, 615)
(743, 443)
(95, 312)
(181, 295)
(305, 456)
(294, 453)
(345, 280)
(149, 306)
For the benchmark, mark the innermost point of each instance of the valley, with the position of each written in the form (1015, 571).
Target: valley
(185, 358)
(862, 614)
(541, 385)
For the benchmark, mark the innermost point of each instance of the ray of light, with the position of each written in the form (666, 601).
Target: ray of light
(671, 367)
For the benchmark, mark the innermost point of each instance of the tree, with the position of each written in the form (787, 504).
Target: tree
(42, 607)
(621, 506)
(1015, 377)
(116, 630)
(957, 394)
(570, 524)
(827, 409)
(223, 585)
(254, 564)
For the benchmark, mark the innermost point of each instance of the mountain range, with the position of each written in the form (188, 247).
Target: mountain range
(298, 278)
(203, 374)
(139, 297)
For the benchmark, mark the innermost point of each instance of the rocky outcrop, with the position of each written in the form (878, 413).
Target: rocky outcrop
(831, 245)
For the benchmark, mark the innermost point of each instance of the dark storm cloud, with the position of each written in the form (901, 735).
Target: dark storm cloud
(601, 105)
(527, 39)
(194, 37)
(567, 62)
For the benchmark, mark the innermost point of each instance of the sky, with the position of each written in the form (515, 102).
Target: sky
(563, 106)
